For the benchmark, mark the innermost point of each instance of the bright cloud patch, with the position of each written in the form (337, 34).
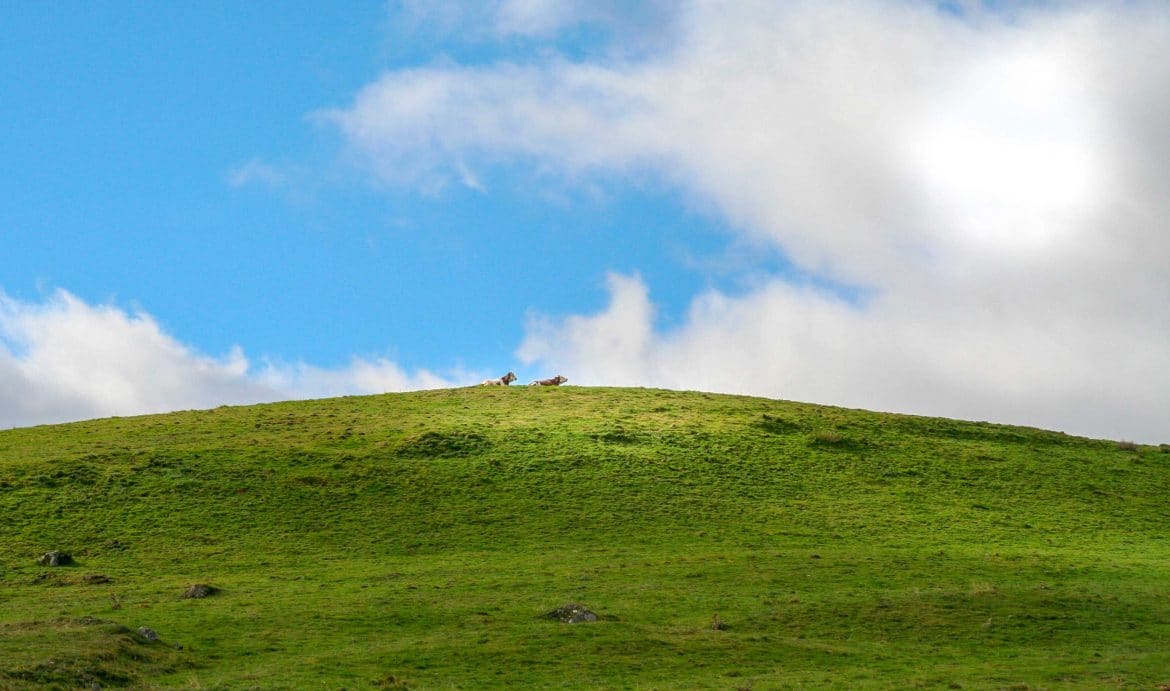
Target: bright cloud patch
(68, 360)
(1013, 152)
(997, 183)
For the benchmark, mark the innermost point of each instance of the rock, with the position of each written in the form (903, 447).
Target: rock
(200, 590)
(148, 633)
(572, 614)
(55, 558)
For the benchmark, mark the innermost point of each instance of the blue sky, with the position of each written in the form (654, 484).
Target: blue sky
(127, 121)
(122, 123)
(892, 205)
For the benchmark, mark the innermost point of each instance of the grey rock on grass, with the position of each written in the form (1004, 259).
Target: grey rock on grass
(148, 633)
(572, 614)
(200, 590)
(55, 558)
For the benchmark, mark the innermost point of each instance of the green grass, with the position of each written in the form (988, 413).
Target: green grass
(417, 539)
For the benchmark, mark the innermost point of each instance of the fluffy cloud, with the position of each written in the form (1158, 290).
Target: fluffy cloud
(64, 359)
(945, 356)
(858, 136)
(995, 184)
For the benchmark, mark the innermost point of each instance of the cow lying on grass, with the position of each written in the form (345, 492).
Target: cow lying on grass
(555, 381)
(502, 381)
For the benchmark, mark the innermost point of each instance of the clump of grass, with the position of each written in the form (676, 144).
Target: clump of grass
(617, 435)
(391, 682)
(980, 589)
(444, 444)
(775, 424)
(829, 437)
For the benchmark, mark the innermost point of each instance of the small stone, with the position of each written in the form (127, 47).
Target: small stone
(55, 558)
(572, 614)
(148, 633)
(200, 590)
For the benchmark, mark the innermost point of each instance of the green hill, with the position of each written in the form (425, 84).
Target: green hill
(724, 542)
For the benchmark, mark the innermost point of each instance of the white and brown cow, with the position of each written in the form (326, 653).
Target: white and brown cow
(502, 381)
(555, 381)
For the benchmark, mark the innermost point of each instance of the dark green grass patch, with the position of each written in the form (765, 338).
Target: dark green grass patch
(447, 444)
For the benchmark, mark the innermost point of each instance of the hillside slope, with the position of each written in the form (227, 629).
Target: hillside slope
(725, 542)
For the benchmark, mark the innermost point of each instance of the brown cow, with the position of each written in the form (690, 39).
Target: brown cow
(555, 381)
(502, 381)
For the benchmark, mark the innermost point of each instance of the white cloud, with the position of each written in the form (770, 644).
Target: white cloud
(614, 346)
(64, 359)
(941, 355)
(360, 376)
(996, 182)
(537, 17)
(256, 171)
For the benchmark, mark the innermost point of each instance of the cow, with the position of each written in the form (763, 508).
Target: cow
(555, 381)
(502, 381)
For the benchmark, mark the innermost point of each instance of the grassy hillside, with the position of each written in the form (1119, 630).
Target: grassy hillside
(725, 542)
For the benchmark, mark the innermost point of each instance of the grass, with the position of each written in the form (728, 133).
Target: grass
(419, 539)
